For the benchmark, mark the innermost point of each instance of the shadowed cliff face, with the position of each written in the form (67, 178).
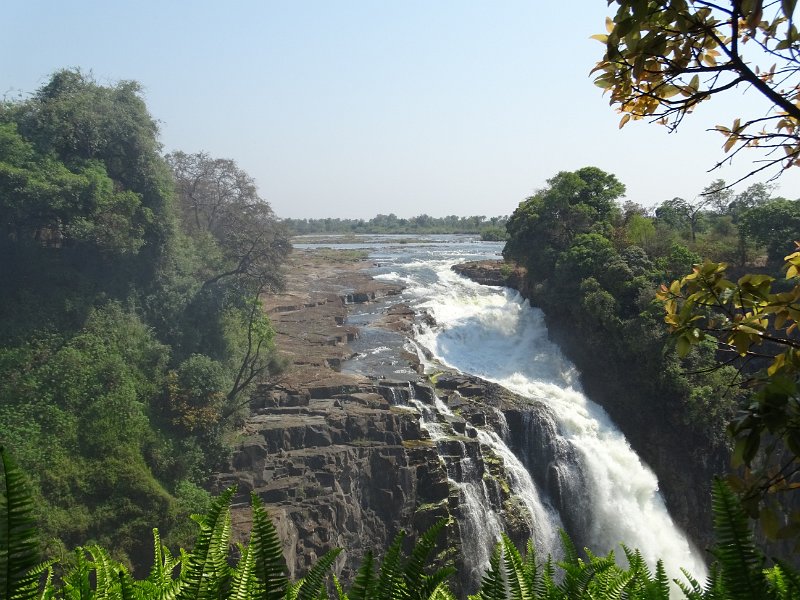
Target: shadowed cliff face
(684, 462)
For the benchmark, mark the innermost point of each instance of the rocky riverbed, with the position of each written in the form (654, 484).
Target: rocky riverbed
(343, 460)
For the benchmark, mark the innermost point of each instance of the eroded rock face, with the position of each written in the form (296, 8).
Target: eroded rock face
(342, 460)
(683, 460)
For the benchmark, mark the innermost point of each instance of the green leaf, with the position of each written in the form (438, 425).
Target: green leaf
(19, 547)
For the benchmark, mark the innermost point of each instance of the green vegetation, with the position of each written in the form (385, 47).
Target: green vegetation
(594, 267)
(664, 57)
(258, 569)
(130, 318)
(391, 223)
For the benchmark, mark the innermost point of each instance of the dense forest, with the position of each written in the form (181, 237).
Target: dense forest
(490, 229)
(129, 312)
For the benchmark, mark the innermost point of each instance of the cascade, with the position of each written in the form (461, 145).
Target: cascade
(603, 492)
(480, 524)
(567, 462)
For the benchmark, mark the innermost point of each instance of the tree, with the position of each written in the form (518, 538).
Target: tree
(219, 199)
(664, 57)
(678, 213)
(546, 223)
(775, 225)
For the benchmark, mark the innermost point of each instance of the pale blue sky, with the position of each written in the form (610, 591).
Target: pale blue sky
(348, 109)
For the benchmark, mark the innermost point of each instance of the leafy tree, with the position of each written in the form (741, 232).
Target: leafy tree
(546, 223)
(775, 225)
(664, 57)
(219, 199)
(640, 230)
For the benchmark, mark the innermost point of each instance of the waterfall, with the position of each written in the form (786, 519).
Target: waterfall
(481, 524)
(565, 461)
(604, 493)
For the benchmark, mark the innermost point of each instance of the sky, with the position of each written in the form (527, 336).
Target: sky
(350, 109)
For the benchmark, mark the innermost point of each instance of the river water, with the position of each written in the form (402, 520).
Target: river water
(493, 333)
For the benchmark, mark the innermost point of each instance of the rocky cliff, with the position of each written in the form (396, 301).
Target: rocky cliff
(342, 460)
(683, 461)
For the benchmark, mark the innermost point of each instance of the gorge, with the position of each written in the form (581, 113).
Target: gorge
(416, 395)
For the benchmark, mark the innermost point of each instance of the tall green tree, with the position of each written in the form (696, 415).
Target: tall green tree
(545, 224)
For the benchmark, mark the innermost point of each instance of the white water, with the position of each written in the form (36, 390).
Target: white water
(494, 334)
(481, 526)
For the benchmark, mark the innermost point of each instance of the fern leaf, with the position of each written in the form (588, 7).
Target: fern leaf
(570, 552)
(201, 576)
(76, 581)
(390, 583)
(493, 583)
(363, 587)
(340, 593)
(419, 585)
(739, 560)
(244, 576)
(545, 586)
(19, 544)
(314, 581)
(784, 580)
(441, 592)
(106, 570)
(518, 583)
(270, 565)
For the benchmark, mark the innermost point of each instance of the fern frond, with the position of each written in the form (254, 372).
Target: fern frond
(106, 574)
(418, 585)
(493, 583)
(244, 576)
(19, 544)
(363, 587)
(201, 575)
(48, 589)
(735, 550)
(518, 584)
(783, 580)
(76, 580)
(270, 565)
(441, 592)
(340, 593)
(314, 581)
(570, 552)
(391, 582)
(292, 590)
(545, 584)
(661, 581)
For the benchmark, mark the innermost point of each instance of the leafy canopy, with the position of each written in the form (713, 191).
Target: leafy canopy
(664, 57)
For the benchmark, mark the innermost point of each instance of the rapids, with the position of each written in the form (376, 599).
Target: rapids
(608, 495)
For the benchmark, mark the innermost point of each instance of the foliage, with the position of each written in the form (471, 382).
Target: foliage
(391, 223)
(664, 57)
(131, 325)
(751, 321)
(775, 225)
(258, 570)
(546, 224)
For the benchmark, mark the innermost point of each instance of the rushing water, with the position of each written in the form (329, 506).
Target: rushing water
(494, 334)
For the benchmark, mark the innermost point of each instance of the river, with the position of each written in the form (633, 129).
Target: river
(493, 333)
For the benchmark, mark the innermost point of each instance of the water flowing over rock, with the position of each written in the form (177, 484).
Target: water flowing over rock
(356, 443)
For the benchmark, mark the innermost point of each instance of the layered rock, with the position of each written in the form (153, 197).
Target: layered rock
(342, 460)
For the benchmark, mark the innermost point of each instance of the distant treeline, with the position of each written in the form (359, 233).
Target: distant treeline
(391, 223)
